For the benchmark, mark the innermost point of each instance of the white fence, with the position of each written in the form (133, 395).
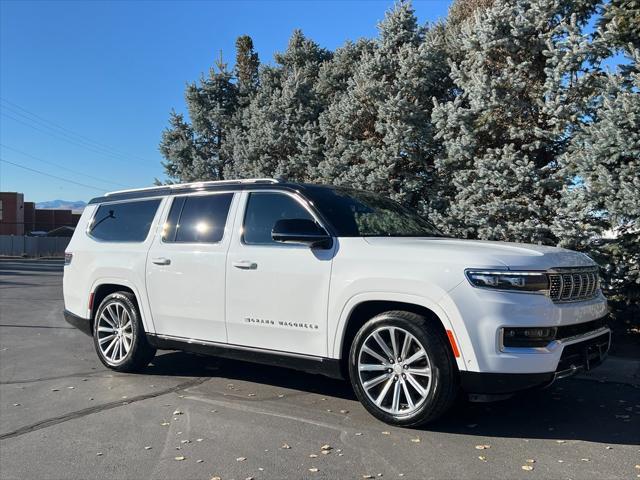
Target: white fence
(22, 245)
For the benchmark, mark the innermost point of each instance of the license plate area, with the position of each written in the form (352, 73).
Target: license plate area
(585, 355)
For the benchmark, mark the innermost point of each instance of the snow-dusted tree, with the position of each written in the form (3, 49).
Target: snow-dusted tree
(377, 131)
(196, 151)
(604, 160)
(280, 113)
(518, 75)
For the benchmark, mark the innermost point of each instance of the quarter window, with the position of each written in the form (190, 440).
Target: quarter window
(263, 210)
(198, 219)
(124, 222)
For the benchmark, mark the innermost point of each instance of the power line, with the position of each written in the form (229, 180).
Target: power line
(51, 125)
(92, 187)
(63, 167)
(69, 140)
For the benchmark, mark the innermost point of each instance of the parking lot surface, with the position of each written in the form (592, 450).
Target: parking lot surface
(64, 415)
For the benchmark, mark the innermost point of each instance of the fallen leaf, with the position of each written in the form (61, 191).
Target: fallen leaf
(608, 448)
(199, 461)
(241, 459)
(216, 478)
(386, 433)
(482, 447)
(344, 411)
(528, 468)
(416, 440)
(313, 455)
(280, 396)
(585, 459)
(561, 441)
(71, 388)
(198, 439)
(249, 478)
(251, 395)
(185, 441)
(148, 447)
(164, 424)
(99, 454)
(179, 458)
(55, 390)
(357, 434)
(483, 458)
(177, 412)
(313, 469)
(16, 404)
(213, 411)
(367, 476)
(326, 452)
(326, 447)
(285, 446)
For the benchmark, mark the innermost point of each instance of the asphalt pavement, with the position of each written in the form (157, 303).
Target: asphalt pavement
(63, 415)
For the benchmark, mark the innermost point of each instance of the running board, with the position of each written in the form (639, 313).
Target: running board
(329, 367)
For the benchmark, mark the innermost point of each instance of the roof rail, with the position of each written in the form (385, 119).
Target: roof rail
(196, 185)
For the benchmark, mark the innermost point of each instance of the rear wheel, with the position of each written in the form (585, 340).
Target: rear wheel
(402, 370)
(118, 334)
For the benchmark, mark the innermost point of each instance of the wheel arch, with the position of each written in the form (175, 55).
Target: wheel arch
(362, 308)
(102, 288)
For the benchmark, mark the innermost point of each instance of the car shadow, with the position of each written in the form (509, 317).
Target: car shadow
(573, 409)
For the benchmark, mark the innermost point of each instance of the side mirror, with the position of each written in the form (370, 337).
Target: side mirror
(300, 230)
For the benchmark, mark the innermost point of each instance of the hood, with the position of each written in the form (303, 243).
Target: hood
(483, 254)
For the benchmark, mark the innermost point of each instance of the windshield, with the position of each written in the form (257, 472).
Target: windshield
(355, 213)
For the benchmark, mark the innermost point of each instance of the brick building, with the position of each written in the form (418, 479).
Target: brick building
(18, 217)
(11, 213)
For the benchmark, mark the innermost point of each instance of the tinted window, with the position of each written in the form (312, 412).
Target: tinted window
(355, 213)
(198, 219)
(124, 222)
(264, 210)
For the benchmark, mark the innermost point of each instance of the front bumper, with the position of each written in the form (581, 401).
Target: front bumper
(82, 324)
(581, 353)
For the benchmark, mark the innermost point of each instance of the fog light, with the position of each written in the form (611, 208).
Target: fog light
(528, 336)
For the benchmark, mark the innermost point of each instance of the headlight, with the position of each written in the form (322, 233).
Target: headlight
(528, 336)
(506, 280)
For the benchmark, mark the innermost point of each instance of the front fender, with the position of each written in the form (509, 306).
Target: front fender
(458, 331)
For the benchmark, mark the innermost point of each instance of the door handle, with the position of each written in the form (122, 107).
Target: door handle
(245, 265)
(161, 261)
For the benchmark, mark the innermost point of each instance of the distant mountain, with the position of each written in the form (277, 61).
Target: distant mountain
(62, 204)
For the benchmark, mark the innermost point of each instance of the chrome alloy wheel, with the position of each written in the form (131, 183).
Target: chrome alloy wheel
(115, 333)
(394, 370)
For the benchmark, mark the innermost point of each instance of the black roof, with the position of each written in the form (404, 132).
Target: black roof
(164, 190)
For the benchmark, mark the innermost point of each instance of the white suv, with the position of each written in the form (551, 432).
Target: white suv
(329, 280)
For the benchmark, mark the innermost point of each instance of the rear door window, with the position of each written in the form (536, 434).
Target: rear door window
(198, 219)
(124, 222)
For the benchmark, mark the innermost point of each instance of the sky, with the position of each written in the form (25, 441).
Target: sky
(86, 87)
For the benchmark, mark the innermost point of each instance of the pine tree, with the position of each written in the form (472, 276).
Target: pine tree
(270, 140)
(247, 64)
(211, 104)
(377, 131)
(518, 75)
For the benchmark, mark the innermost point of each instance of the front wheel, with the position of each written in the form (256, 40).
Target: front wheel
(118, 334)
(402, 369)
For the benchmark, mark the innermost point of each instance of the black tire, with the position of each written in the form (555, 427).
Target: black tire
(444, 383)
(140, 352)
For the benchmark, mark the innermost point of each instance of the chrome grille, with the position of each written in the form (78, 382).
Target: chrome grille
(572, 285)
